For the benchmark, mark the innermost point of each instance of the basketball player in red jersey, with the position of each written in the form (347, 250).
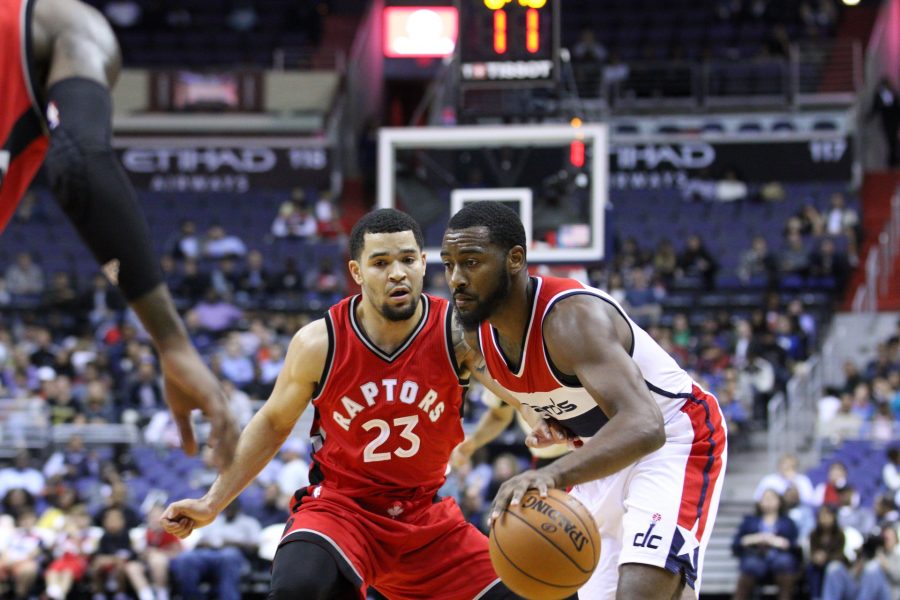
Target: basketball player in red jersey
(58, 59)
(385, 372)
(652, 464)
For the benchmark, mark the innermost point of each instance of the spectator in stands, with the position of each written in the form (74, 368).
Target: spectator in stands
(24, 277)
(294, 472)
(788, 475)
(255, 281)
(239, 403)
(219, 244)
(841, 219)
(853, 515)
(778, 43)
(327, 282)
(235, 365)
(20, 554)
(588, 58)
(17, 501)
(758, 375)
(194, 284)
(71, 551)
(828, 493)
(793, 260)
(117, 501)
(665, 261)
(294, 219)
(215, 315)
(844, 424)
(696, 261)
(735, 415)
(145, 394)
(766, 543)
(98, 404)
(884, 362)
(102, 300)
(730, 188)
(826, 544)
(72, 463)
(803, 515)
(224, 277)
(864, 579)
(60, 293)
(758, 264)
(290, 280)
(886, 106)
(62, 501)
(826, 263)
(811, 223)
(615, 73)
(271, 365)
(642, 300)
(161, 548)
(273, 510)
(220, 555)
(115, 561)
(890, 474)
(21, 475)
(186, 245)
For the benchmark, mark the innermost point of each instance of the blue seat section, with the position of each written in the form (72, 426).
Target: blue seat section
(727, 229)
(55, 244)
(864, 460)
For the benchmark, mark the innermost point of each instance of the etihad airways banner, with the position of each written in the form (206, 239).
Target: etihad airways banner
(232, 165)
(671, 164)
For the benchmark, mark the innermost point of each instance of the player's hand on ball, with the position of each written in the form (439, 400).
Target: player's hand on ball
(188, 385)
(182, 517)
(513, 489)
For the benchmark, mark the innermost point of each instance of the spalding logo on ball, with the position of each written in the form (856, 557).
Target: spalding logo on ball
(545, 548)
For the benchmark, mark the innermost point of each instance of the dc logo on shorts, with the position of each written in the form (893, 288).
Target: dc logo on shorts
(647, 539)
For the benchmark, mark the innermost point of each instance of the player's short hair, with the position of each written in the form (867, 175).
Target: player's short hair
(383, 220)
(503, 223)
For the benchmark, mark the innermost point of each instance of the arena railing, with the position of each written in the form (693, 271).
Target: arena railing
(814, 74)
(879, 262)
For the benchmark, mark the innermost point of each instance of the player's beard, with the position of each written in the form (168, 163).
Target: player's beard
(484, 308)
(392, 313)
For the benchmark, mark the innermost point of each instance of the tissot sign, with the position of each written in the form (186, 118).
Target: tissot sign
(227, 167)
(671, 164)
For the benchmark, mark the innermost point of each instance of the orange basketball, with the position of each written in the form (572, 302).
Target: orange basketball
(545, 548)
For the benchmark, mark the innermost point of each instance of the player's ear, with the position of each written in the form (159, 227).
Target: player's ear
(515, 259)
(354, 268)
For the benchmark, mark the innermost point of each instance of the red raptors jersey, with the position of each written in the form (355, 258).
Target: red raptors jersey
(23, 143)
(385, 424)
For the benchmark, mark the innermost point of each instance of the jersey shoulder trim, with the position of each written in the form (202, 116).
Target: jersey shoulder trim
(329, 359)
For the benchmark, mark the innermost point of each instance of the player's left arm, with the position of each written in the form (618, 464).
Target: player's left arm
(581, 338)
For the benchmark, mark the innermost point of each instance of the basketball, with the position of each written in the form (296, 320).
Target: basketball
(545, 548)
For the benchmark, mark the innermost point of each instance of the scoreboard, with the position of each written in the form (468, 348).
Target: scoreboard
(504, 42)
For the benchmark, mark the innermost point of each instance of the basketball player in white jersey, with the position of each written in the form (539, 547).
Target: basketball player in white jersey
(653, 460)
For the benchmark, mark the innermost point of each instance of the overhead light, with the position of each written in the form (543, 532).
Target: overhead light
(851, 2)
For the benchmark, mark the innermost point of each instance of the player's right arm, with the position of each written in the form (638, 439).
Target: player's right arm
(264, 434)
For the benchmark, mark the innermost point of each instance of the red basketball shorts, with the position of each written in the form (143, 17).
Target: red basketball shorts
(404, 551)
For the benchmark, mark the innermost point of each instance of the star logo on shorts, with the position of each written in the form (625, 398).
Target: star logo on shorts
(395, 511)
(690, 543)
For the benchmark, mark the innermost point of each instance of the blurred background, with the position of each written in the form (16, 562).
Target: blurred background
(727, 169)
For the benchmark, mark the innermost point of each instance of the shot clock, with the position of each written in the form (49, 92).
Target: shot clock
(504, 42)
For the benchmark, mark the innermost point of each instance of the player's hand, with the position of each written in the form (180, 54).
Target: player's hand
(549, 432)
(461, 456)
(189, 384)
(513, 489)
(182, 517)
